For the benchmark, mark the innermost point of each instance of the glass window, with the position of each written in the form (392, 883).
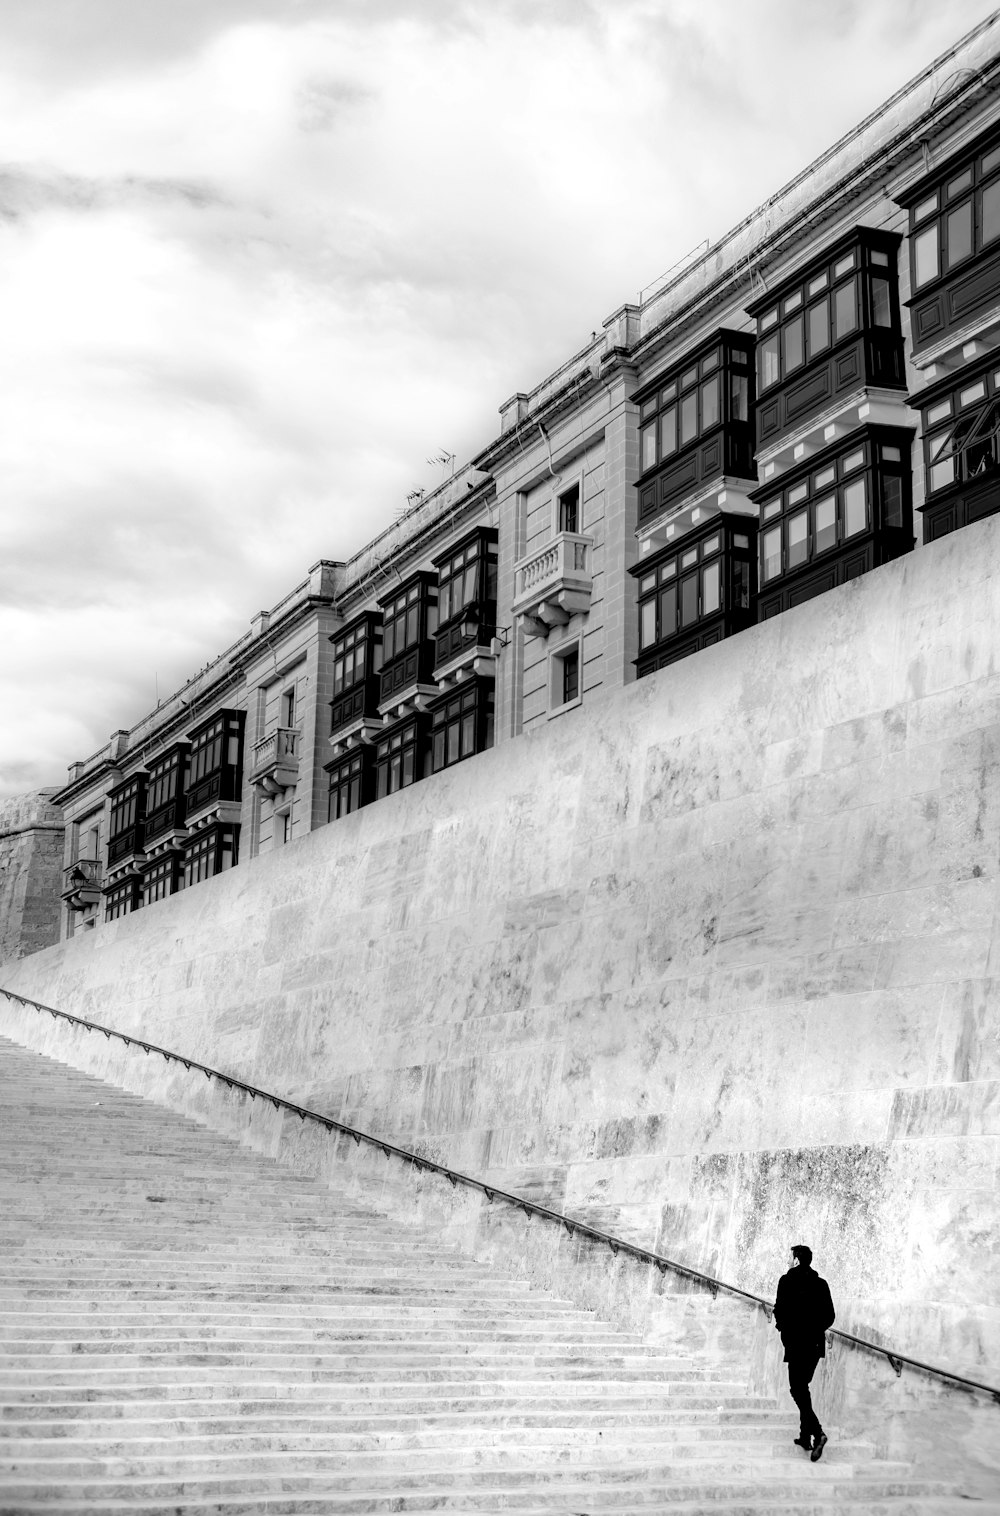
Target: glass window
(819, 283)
(925, 207)
(825, 519)
(843, 265)
(798, 492)
(942, 462)
(956, 186)
(668, 610)
(710, 403)
(798, 538)
(649, 446)
(710, 546)
(938, 412)
(668, 432)
(647, 623)
(972, 393)
(771, 554)
(769, 372)
(958, 234)
(855, 513)
(689, 417)
(691, 556)
(990, 161)
(821, 480)
(740, 397)
(710, 588)
(853, 461)
(741, 584)
(845, 309)
(925, 256)
(819, 327)
(794, 354)
(689, 599)
(881, 305)
(792, 303)
(991, 212)
(892, 499)
(570, 680)
(688, 378)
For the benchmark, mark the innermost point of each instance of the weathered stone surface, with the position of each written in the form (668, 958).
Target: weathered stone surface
(712, 961)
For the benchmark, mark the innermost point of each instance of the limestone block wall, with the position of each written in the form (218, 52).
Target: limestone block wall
(31, 858)
(711, 962)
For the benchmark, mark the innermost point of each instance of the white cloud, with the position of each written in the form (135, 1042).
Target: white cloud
(261, 261)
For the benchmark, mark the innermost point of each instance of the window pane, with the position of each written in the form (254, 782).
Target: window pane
(769, 361)
(881, 308)
(958, 234)
(892, 499)
(689, 600)
(991, 211)
(647, 623)
(710, 403)
(437, 757)
(411, 626)
(855, 515)
(956, 186)
(792, 343)
(771, 555)
(925, 207)
(668, 432)
(925, 256)
(668, 611)
(648, 448)
(825, 523)
(740, 397)
(710, 588)
(453, 742)
(689, 417)
(407, 766)
(942, 473)
(741, 584)
(819, 327)
(845, 316)
(798, 538)
(468, 735)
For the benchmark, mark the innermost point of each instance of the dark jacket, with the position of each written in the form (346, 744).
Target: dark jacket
(803, 1312)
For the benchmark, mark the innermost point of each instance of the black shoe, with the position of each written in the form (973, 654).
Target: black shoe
(818, 1446)
(803, 1442)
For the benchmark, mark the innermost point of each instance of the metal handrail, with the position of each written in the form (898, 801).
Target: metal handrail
(492, 1193)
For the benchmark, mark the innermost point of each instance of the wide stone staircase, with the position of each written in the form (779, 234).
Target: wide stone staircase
(187, 1327)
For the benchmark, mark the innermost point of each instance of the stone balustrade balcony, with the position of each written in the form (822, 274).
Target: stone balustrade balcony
(276, 760)
(82, 883)
(554, 583)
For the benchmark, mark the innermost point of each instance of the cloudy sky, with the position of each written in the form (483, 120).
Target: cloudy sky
(261, 259)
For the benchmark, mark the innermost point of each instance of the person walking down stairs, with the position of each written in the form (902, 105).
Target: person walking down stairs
(803, 1313)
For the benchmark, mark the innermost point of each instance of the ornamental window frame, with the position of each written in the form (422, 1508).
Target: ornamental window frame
(672, 418)
(853, 290)
(956, 220)
(356, 653)
(467, 575)
(462, 724)
(350, 783)
(961, 432)
(815, 516)
(409, 617)
(694, 584)
(399, 757)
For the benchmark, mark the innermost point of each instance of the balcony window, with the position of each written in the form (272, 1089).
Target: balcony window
(836, 519)
(409, 621)
(211, 851)
(357, 657)
(350, 784)
(215, 765)
(569, 517)
(958, 220)
(122, 899)
(961, 441)
(462, 724)
(954, 216)
(161, 878)
(831, 329)
(696, 592)
(467, 595)
(695, 423)
(399, 758)
(128, 813)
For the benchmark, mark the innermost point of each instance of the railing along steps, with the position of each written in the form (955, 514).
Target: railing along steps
(185, 1328)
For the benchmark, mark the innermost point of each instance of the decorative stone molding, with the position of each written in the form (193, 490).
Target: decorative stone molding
(276, 761)
(554, 583)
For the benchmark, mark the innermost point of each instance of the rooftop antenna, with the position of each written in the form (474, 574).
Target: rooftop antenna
(411, 500)
(444, 459)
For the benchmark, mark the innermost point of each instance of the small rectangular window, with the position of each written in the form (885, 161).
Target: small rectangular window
(739, 397)
(843, 266)
(647, 623)
(691, 556)
(990, 161)
(689, 417)
(891, 454)
(668, 610)
(710, 546)
(773, 508)
(792, 343)
(823, 478)
(689, 600)
(767, 321)
(769, 370)
(853, 461)
(879, 260)
(956, 186)
(973, 393)
(958, 234)
(819, 327)
(668, 432)
(649, 446)
(571, 676)
(855, 511)
(881, 304)
(845, 309)
(710, 588)
(819, 283)
(892, 499)
(925, 256)
(792, 303)
(798, 538)
(925, 207)
(938, 412)
(797, 493)
(771, 552)
(569, 511)
(825, 523)
(710, 403)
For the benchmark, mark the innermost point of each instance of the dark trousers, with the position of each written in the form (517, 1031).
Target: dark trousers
(801, 1369)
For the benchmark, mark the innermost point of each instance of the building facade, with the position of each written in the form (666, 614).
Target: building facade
(817, 394)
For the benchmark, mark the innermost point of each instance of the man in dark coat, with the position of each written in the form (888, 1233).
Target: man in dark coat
(803, 1312)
